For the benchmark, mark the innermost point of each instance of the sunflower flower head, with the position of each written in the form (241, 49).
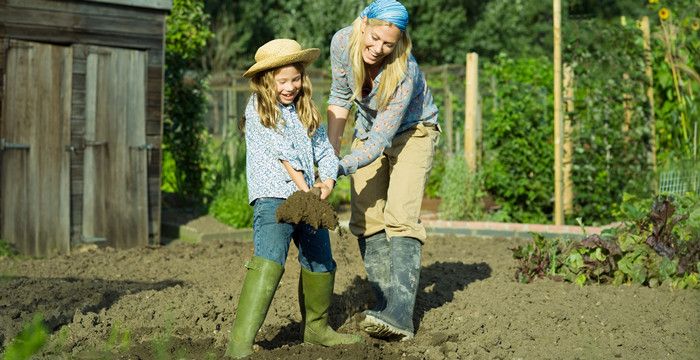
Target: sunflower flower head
(664, 13)
(653, 1)
(695, 25)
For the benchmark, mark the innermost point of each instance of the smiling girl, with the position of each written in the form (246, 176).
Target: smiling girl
(284, 145)
(396, 131)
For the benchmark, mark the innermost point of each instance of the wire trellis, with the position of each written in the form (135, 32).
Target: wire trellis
(679, 181)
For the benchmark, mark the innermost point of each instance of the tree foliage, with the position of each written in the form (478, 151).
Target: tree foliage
(183, 128)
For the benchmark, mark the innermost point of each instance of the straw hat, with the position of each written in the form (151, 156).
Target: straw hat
(280, 52)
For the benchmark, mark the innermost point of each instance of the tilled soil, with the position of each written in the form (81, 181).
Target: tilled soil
(178, 301)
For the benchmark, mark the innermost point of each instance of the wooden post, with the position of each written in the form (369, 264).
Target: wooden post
(627, 106)
(449, 116)
(646, 35)
(558, 122)
(568, 202)
(233, 118)
(471, 96)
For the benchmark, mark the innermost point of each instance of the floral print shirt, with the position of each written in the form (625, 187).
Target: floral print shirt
(290, 141)
(411, 103)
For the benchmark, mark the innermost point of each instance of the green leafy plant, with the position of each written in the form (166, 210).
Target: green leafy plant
(29, 341)
(660, 247)
(610, 131)
(6, 250)
(518, 156)
(461, 192)
(230, 206)
(341, 192)
(184, 132)
(675, 49)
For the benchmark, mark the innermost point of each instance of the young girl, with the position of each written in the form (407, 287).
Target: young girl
(284, 142)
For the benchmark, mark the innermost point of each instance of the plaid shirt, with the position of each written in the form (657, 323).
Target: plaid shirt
(411, 103)
(265, 148)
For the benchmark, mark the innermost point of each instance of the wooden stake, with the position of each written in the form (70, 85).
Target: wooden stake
(568, 202)
(449, 115)
(471, 96)
(558, 123)
(627, 106)
(646, 35)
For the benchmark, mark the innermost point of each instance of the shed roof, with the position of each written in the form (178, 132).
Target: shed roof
(151, 4)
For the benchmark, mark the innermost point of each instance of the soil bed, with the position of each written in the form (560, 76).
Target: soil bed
(178, 301)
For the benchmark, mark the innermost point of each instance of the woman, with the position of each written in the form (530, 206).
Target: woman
(396, 131)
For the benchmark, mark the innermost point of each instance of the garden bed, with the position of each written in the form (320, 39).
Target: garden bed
(179, 300)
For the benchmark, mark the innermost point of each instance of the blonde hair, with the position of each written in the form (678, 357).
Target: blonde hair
(264, 87)
(395, 64)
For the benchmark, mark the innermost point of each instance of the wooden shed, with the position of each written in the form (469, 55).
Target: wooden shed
(81, 104)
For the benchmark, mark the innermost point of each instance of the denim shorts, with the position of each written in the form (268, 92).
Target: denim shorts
(271, 238)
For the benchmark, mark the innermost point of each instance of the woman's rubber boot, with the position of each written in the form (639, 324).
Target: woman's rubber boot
(375, 254)
(396, 321)
(317, 290)
(259, 287)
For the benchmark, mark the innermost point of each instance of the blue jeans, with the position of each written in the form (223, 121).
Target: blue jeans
(271, 238)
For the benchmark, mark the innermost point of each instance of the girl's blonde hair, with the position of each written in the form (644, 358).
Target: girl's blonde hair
(395, 64)
(264, 87)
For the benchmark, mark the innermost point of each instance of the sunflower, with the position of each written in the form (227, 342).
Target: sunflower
(653, 1)
(664, 13)
(696, 25)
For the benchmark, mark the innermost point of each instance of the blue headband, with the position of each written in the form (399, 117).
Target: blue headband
(387, 10)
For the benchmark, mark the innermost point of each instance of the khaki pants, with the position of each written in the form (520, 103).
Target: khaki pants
(387, 193)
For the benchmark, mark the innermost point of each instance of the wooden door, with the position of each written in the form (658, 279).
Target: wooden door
(34, 160)
(115, 193)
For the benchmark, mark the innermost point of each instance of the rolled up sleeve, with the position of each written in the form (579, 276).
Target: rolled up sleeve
(383, 130)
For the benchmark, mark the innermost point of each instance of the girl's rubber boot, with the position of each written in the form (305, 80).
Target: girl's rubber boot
(315, 298)
(396, 320)
(259, 287)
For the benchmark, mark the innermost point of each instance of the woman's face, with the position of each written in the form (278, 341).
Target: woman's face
(380, 41)
(288, 81)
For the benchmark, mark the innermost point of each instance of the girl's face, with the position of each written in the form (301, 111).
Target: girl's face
(288, 81)
(380, 41)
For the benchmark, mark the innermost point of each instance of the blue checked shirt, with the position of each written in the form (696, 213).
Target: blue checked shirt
(265, 148)
(411, 103)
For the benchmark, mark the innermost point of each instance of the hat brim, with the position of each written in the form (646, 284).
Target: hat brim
(304, 56)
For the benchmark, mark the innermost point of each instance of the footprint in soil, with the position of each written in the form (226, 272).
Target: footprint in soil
(307, 207)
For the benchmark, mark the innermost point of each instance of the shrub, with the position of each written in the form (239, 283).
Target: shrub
(460, 191)
(517, 122)
(230, 206)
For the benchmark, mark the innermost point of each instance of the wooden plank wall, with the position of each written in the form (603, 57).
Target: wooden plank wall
(80, 23)
(4, 45)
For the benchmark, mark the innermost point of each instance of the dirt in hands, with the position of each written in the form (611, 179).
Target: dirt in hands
(307, 207)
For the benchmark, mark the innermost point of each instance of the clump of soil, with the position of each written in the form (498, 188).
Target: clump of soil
(307, 207)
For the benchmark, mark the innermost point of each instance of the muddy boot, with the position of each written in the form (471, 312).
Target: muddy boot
(396, 320)
(375, 253)
(259, 286)
(317, 289)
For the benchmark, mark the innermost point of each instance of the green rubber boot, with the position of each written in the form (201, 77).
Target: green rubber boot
(259, 286)
(315, 298)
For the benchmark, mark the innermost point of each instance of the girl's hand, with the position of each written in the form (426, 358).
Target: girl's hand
(326, 188)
